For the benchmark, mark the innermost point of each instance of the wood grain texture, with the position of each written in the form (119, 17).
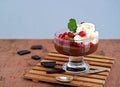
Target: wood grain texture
(14, 66)
(96, 80)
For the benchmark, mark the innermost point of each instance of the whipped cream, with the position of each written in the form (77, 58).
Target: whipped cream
(87, 27)
(91, 34)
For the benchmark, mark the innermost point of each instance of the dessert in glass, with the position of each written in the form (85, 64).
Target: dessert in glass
(76, 42)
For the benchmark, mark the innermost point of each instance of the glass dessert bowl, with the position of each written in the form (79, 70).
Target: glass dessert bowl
(76, 45)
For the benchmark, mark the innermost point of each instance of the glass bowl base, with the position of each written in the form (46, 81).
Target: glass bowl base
(76, 70)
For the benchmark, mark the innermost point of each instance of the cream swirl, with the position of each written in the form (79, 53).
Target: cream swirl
(91, 34)
(87, 27)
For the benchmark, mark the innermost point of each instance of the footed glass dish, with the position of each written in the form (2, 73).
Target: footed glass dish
(76, 50)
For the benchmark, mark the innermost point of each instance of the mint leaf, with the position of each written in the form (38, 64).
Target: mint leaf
(72, 26)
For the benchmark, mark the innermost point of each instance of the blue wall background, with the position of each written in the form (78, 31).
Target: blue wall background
(41, 18)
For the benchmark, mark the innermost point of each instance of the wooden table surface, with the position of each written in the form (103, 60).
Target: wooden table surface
(14, 66)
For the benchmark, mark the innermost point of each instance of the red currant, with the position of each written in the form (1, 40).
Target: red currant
(60, 36)
(82, 22)
(73, 44)
(70, 34)
(80, 45)
(91, 44)
(82, 33)
(65, 33)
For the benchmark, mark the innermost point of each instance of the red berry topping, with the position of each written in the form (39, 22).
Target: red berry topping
(82, 33)
(70, 34)
(91, 44)
(73, 44)
(65, 33)
(80, 45)
(60, 36)
(82, 22)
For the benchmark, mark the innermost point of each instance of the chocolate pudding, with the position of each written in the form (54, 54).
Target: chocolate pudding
(76, 42)
(74, 51)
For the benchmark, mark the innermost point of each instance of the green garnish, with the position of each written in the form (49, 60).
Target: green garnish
(72, 26)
